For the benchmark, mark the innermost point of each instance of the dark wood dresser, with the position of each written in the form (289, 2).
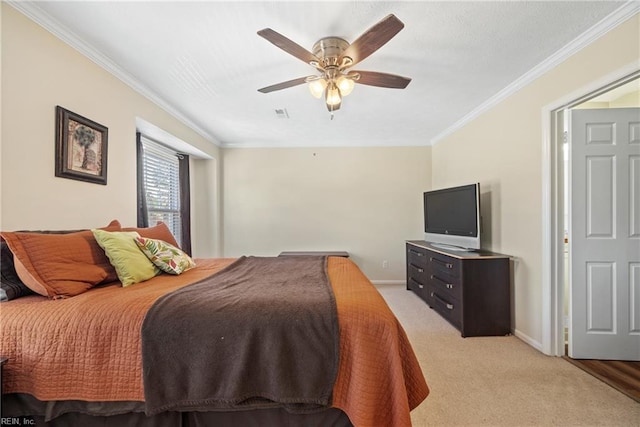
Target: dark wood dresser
(471, 290)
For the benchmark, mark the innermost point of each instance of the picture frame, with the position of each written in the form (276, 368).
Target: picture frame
(81, 148)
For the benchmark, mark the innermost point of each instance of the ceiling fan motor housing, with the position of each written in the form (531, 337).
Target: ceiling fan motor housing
(329, 50)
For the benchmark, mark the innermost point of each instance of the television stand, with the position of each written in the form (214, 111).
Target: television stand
(471, 290)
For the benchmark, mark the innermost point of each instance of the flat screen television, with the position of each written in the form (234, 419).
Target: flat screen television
(452, 217)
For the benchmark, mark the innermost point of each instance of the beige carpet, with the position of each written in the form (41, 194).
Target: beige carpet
(500, 381)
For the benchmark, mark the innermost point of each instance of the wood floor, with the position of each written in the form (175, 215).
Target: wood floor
(623, 376)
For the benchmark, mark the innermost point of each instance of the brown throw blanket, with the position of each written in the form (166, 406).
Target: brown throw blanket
(262, 332)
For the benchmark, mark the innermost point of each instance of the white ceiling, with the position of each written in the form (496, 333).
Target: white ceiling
(204, 62)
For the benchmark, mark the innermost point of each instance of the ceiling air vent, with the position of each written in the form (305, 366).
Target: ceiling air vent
(282, 113)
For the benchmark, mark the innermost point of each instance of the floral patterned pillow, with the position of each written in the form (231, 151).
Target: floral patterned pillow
(165, 256)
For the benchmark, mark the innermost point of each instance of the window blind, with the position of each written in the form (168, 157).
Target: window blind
(161, 175)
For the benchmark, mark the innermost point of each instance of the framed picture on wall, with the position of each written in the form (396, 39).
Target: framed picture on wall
(81, 148)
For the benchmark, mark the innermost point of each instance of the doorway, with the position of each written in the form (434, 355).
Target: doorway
(602, 223)
(600, 347)
(554, 189)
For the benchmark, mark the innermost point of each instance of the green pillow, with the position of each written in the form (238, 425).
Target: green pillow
(131, 265)
(165, 256)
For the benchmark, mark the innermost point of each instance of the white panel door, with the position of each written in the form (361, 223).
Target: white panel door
(604, 234)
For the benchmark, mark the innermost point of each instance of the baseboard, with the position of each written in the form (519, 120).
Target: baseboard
(526, 338)
(389, 282)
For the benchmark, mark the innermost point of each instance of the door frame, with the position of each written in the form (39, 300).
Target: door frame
(553, 203)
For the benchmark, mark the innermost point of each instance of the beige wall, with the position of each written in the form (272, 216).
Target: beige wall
(39, 72)
(367, 201)
(630, 100)
(502, 149)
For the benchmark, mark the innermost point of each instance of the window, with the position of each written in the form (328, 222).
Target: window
(163, 189)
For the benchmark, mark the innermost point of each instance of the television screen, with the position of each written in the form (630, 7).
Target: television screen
(452, 216)
(451, 211)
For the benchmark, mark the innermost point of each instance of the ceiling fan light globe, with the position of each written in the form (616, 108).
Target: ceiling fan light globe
(345, 84)
(333, 97)
(317, 87)
(332, 108)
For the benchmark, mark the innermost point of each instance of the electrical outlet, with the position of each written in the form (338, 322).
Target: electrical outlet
(385, 264)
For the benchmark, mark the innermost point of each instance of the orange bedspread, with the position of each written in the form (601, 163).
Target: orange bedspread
(88, 347)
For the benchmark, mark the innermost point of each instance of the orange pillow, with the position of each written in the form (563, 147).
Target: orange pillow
(60, 265)
(160, 231)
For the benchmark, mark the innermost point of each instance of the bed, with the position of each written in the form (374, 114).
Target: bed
(151, 353)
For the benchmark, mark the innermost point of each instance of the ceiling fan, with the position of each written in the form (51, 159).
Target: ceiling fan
(333, 57)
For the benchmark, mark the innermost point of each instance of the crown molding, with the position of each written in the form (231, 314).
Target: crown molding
(33, 12)
(332, 144)
(620, 15)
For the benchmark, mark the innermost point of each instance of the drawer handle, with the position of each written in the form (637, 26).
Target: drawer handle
(420, 285)
(446, 285)
(446, 264)
(411, 251)
(446, 304)
(420, 270)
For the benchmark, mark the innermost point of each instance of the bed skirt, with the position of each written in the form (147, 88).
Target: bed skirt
(27, 410)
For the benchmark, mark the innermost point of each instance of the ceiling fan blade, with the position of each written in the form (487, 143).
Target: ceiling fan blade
(287, 45)
(373, 78)
(283, 85)
(373, 39)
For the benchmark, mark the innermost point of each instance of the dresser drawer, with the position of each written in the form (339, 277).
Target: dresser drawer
(450, 309)
(417, 256)
(417, 271)
(417, 286)
(444, 267)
